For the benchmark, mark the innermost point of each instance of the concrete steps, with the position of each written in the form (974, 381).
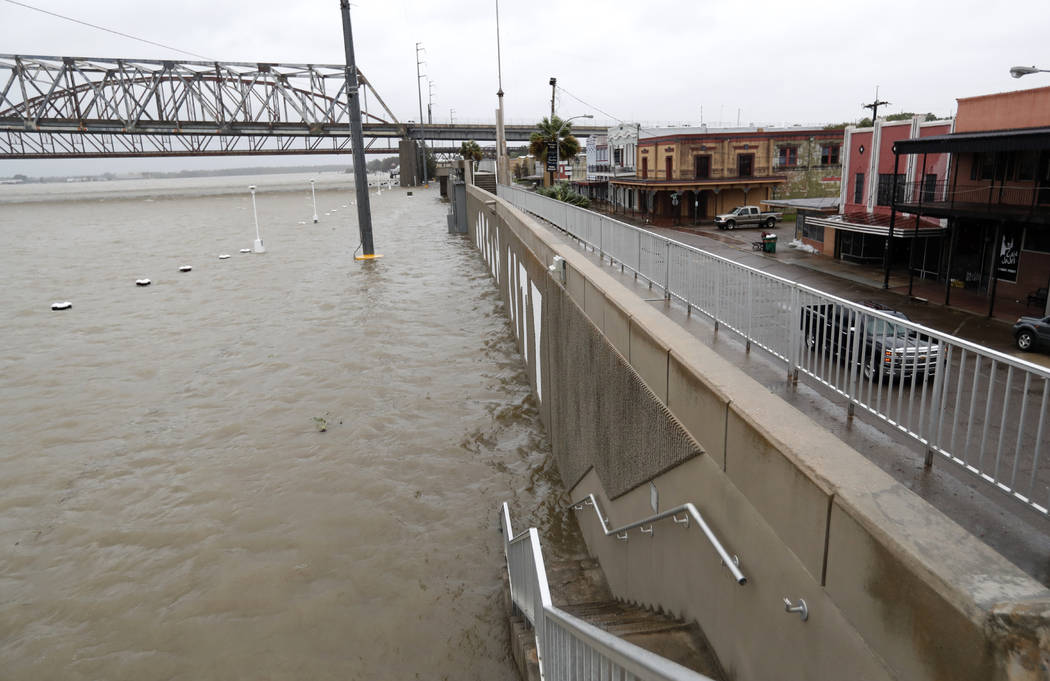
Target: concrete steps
(578, 587)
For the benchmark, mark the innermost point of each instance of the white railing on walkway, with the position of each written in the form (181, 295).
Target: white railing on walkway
(567, 647)
(978, 408)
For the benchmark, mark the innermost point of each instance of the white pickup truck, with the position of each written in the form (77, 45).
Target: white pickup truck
(747, 216)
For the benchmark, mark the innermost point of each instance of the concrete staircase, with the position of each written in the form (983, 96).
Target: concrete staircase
(578, 587)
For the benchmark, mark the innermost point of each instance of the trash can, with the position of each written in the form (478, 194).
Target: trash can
(769, 243)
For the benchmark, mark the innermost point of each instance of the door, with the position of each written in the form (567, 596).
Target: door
(645, 168)
(702, 167)
(746, 165)
(667, 167)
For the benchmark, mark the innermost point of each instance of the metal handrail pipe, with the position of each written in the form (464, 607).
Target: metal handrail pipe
(688, 508)
(634, 660)
(999, 356)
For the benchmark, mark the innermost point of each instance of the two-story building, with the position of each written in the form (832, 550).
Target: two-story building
(692, 174)
(860, 231)
(995, 199)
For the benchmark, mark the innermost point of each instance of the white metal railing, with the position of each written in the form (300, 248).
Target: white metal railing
(567, 647)
(983, 410)
(689, 513)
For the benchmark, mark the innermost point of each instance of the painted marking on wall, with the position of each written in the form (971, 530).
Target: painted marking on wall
(537, 316)
(523, 283)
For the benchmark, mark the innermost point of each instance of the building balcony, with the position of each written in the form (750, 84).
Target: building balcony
(1016, 202)
(762, 174)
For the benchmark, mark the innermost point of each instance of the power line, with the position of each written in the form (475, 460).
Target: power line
(604, 113)
(109, 30)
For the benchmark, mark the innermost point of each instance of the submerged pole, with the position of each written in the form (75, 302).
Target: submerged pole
(364, 212)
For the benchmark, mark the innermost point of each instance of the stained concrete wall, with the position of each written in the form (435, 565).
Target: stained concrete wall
(895, 589)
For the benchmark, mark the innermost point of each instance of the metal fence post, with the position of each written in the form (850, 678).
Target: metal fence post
(935, 407)
(667, 269)
(747, 344)
(794, 330)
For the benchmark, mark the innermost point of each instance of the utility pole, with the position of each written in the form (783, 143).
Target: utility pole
(874, 106)
(364, 211)
(422, 130)
(554, 87)
(430, 102)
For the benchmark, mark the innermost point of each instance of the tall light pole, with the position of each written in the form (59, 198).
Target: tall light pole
(1019, 71)
(364, 211)
(258, 246)
(422, 130)
(313, 195)
(502, 167)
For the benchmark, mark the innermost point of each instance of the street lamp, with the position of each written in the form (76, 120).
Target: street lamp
(258, 246)
(1019, 71)
(557, 138)
(314, 196)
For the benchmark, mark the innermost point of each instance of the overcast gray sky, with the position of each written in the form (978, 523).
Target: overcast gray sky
(657, 62)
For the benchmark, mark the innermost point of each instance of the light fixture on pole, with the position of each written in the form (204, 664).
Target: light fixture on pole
(1019, 71)
(258, 247)
(557, 137)
(314, 196)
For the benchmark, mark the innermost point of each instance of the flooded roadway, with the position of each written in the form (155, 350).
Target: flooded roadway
(278, 466)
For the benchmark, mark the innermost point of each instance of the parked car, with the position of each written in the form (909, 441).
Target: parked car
(1032, 332)
(884, 349)
(747, 216)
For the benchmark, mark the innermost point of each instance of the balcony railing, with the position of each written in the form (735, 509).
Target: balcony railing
(941, 195)
(660, 175)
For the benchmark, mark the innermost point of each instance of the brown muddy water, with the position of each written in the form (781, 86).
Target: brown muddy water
(170, 507)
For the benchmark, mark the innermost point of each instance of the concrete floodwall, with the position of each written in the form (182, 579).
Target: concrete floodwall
(895, 589)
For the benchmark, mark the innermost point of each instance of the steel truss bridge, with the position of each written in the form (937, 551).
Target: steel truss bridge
(78, 107)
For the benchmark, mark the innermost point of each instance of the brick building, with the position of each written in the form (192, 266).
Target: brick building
(995, 200)
(692, 174)
(859, 232)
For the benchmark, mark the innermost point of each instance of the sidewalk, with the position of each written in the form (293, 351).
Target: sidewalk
(966, 317)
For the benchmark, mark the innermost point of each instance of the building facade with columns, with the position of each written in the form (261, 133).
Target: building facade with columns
(692, 174)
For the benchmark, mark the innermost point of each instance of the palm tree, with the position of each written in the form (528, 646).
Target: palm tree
(470, 151)
(551, 129)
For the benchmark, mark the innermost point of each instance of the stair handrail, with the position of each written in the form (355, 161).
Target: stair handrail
(558, 660)
(688, 509)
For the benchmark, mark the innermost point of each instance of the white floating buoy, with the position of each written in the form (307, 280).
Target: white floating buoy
(258, 247)
(224, 256)
(185, 268)
(246, 250)
(142, 282)
(64, 305)
(302, 222)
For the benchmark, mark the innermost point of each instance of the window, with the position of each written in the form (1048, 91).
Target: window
(1037, 239)
(858, 189)
(787, 156)
(618, 156)
(745, 165)
(928, 184)
(829, 154)
(886, 187)
(1026, 165)
(702, 165)
(813, 232)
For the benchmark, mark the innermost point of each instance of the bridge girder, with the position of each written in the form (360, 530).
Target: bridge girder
(77, 107)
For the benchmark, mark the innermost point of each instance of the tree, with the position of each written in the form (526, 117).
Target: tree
(470, 151)
(551, 130)
(562, 192)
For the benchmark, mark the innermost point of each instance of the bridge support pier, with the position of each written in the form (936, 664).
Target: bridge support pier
(411, 173)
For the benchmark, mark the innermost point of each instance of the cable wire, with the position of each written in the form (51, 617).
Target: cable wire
(108, 30)
(604, 113)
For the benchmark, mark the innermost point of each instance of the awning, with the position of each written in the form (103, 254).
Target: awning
(871, 223)
(963, 142)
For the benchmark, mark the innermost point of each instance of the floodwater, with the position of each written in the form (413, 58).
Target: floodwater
(275, 466)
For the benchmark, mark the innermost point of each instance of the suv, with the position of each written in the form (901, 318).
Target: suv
(901, 352)
(1030, 332)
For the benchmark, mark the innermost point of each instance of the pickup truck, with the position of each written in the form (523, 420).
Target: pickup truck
(884, 350)
(747, 216)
